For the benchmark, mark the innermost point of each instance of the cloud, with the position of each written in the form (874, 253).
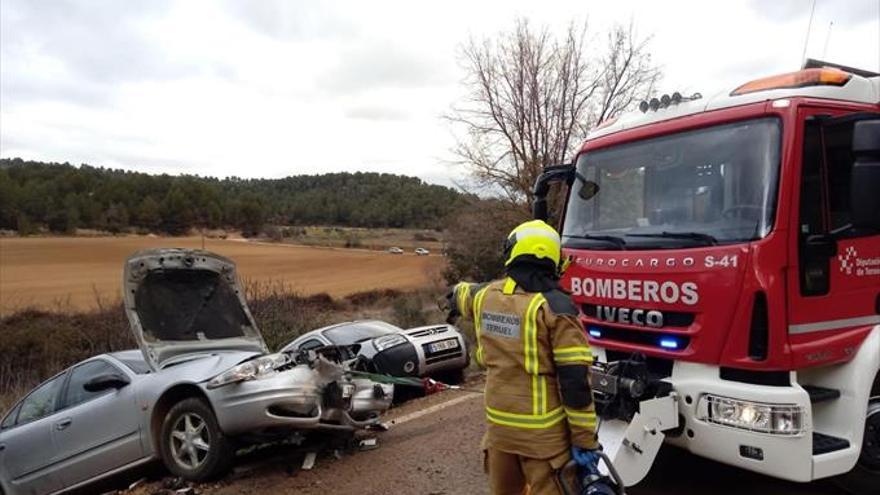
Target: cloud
(382, 65)
(295, 21)
(97, 41)
(849, 12)
(376, 112)
(275, 87)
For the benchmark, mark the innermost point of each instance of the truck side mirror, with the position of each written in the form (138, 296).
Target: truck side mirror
(865, 178)
(553, 173)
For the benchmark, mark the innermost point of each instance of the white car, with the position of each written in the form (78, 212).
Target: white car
(395, 250)
(433, 350)
(422, 252)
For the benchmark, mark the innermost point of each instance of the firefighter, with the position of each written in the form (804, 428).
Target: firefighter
(539, 405)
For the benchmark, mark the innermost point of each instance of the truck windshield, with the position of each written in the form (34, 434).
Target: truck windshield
(710, 186)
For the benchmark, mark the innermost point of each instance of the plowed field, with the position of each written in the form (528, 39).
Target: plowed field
(59, 272)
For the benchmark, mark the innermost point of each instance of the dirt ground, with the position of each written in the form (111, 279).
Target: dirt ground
(54, 272)
(432, 447)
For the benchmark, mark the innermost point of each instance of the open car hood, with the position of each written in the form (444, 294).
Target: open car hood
(181, 301)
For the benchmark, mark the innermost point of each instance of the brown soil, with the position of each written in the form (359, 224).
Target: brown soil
(58, 272)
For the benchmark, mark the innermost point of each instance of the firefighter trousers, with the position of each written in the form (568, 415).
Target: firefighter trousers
(512, 474)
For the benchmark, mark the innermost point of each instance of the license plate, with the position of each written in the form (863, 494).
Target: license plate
(444, 345)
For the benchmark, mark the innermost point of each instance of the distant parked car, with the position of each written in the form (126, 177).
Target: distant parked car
(201, 381)
(432, 350)
(422, 252)
(395, 250)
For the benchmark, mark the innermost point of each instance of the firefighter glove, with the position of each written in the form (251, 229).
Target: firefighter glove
(587, 461)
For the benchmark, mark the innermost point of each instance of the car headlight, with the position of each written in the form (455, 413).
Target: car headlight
(779, 419)
(260, 367)
(388, 341)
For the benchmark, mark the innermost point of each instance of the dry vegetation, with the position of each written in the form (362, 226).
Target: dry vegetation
(358, 237)
(53, 272)
(35, 344)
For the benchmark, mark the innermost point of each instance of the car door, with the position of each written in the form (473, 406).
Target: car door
(96, 432)
(27, 451)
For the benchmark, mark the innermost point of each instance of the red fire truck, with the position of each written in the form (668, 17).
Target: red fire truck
(725, 255)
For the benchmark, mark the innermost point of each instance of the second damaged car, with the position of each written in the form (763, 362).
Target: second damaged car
(202, 382)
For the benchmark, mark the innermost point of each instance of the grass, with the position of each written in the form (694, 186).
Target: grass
(37, 344)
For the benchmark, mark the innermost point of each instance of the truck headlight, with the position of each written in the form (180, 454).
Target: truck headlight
(778, 419)
(250, 370)
(388, 341)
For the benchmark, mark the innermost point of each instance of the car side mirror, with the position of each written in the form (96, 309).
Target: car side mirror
(106, 382)
(865, 178)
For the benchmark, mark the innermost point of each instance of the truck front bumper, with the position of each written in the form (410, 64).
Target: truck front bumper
(787, 456)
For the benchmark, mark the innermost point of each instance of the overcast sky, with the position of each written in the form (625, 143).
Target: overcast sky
(264, 88)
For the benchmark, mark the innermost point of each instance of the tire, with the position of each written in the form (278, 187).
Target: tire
(190, 429)
(865, 476)
(452, 377)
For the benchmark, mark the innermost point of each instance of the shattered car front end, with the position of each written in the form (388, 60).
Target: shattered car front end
(186, 305)
(304, 391)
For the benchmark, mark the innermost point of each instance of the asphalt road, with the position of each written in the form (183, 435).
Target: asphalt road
(435, 451)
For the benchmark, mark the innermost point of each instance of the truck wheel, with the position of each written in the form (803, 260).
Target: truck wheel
(865, 476)
(192, 445)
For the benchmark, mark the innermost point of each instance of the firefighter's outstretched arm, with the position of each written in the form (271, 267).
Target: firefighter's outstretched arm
(463, 301)
(460, 301)
(572, 359)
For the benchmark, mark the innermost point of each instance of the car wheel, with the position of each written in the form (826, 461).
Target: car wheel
(192, 445)
(452, 377)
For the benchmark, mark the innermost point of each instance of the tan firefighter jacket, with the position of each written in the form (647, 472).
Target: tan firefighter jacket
(523, 340)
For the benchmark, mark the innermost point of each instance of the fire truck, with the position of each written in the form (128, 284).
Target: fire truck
(725, 256)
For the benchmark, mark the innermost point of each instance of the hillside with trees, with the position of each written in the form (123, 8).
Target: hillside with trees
(63, 197)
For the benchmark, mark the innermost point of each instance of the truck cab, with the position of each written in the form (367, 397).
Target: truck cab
(728, 248)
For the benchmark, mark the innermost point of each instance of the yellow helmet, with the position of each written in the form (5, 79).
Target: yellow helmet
(534, 238)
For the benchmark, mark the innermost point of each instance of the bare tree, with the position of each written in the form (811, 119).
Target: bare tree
(533, 96)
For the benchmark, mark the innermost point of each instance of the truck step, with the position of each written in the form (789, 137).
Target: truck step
(821, 394)
(823, 444)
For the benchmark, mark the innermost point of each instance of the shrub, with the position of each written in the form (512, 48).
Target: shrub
(353, 241)
(273, 233)
(408, 311)
(371, 297)
(475, 238)
(418, 236)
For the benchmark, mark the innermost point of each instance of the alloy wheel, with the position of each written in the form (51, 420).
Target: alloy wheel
(190, 441)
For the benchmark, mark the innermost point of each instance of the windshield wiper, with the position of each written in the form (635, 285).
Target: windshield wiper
(696, 236)
(618, 242)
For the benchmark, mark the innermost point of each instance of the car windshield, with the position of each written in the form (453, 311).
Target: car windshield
(357, 332)
(710, 186)
(134, 360)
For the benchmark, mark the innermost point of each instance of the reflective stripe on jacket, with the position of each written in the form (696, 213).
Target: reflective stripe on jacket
(522, 342)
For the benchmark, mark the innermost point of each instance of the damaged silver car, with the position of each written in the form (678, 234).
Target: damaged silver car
(202, 383)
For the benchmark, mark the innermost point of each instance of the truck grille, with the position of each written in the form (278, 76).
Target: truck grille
(670, 318)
